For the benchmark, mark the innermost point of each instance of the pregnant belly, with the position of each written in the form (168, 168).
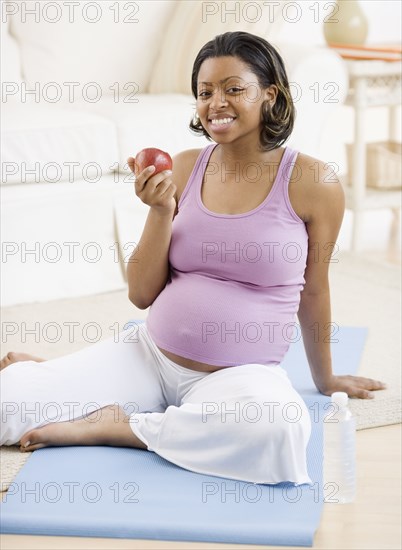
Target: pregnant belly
(207, 324)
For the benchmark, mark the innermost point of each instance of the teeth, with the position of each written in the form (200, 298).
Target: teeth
(221, 121)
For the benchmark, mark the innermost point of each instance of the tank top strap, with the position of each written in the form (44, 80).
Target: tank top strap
(286, 168)
(279, 198)
(195, 180)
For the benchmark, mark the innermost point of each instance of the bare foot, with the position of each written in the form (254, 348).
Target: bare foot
(13, 357)
(106, 426)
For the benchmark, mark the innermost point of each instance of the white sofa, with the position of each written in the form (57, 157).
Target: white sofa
(87, 84)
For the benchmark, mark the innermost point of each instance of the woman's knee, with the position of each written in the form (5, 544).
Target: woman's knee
(258, 417)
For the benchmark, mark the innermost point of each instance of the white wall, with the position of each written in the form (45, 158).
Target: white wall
(384, 17)
(384, 20)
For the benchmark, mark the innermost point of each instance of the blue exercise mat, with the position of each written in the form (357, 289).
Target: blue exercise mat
(131, 493)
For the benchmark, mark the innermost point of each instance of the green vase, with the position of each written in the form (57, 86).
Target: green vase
(347, 24)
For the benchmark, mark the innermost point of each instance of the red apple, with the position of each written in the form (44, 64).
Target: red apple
(156, 157)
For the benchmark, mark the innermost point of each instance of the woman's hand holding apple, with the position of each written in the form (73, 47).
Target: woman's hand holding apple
(153, 183)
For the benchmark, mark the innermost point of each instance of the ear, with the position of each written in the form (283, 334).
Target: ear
(271, 94)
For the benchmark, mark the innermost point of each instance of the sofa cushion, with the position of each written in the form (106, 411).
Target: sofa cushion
(89, 42)
(198, 22)
(59, 241)
(10, 54)
(48, 143)
(154, 121)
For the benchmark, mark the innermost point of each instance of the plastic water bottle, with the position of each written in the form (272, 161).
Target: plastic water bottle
(339, 451)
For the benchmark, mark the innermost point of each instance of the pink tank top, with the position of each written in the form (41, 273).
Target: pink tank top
(235, 280)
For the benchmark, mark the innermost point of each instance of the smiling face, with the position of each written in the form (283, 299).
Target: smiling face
(229, 100)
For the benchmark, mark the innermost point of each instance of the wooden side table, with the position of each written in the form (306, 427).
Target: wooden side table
(371, 83)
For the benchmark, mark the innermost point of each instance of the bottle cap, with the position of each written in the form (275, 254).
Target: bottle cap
(340, 398)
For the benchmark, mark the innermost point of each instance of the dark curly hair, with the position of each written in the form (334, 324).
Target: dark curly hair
(268, 66)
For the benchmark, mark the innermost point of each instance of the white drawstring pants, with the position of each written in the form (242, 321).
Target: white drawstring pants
(245, 422)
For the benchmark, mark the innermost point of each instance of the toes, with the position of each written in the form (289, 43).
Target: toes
(29, 439)
(32, 447)
(9, 359)
(5, 361)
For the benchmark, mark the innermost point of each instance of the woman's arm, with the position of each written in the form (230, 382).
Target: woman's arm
(148, 267)
(323, 224)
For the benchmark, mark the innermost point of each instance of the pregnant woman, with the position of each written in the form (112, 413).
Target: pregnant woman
(235, 245)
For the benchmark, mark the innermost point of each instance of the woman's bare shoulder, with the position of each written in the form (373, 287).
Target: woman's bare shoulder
(313, 183)
(183, 164)
(315, 172)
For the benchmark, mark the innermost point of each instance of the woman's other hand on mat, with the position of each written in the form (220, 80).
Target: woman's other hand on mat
(354, 386)
(156, 191)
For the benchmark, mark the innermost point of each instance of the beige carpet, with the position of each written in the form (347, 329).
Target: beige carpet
(365, 292)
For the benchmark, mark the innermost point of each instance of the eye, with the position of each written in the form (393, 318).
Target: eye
(235, 90)
(204, 93)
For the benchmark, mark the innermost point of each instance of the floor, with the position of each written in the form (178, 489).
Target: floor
(373, 521)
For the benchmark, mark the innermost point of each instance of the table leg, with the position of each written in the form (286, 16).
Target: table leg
(359, 162)
(394, 253)
(392, 126)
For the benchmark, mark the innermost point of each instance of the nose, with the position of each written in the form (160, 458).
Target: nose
(218, 99)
